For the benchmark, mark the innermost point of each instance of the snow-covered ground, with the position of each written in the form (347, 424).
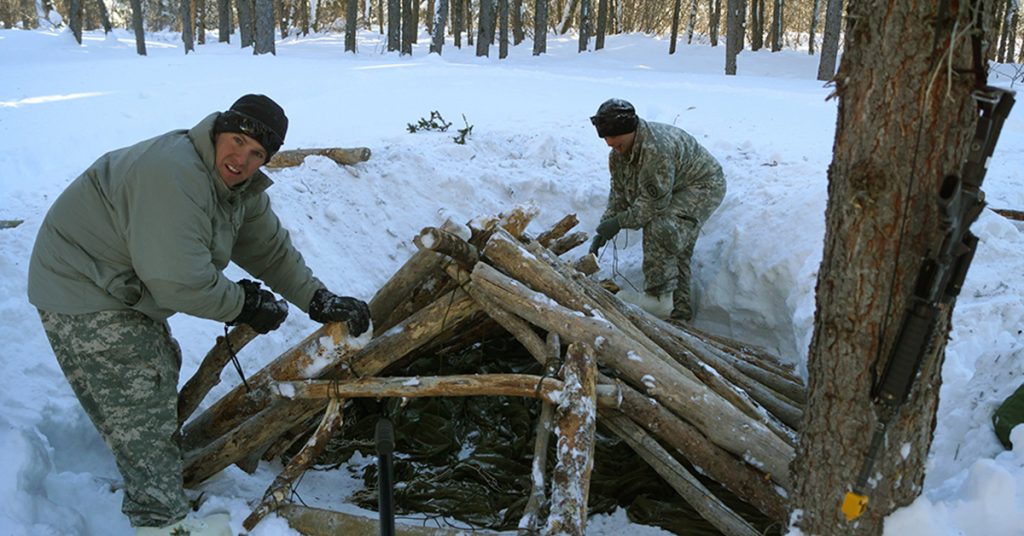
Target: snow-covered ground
(62, 105)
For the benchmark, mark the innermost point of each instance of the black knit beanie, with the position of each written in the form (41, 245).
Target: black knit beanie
(258, 117)
(614, 118)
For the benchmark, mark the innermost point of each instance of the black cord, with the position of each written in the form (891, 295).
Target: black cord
(234, 359)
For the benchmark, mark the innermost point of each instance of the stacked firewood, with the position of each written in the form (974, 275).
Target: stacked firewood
(683, 400)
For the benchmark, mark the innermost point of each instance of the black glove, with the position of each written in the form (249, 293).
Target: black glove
(261, 310)
(327, 307)
(597, 244)
(607, 229)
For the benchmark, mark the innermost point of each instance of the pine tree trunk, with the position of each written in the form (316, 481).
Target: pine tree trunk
(517, 22)
(676, 6)
(502, 29)
(584, 25)
(394, 25)
(200, 18)
(714, 20)
(224, 21)
(814, 26)
(483, 40)
(186, 26)
(440, 21)
(830, 40)
(602, 23)
(264, 28)
(540, 27)
(756, 24)
(246, 27)
(777, 25)
(408, 26)
(77, 10)
(457, 24)
(882, 218)
(351, 21)
(140, 33)
(734, 17)
(104, 16)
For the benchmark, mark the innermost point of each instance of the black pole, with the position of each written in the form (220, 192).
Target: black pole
(385, 435)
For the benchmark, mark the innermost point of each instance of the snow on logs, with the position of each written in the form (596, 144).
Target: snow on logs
(719, 406)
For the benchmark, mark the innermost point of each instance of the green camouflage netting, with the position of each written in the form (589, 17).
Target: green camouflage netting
(468, 458)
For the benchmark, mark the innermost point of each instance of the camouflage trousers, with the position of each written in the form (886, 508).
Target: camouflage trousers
(123, 367)
(668, 249)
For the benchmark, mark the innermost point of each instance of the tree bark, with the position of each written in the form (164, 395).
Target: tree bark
(351, 20)
(409, 27)
(394, 25)
(502, 29)
(186, 26)
(830, 40)
(540, 27)
(735, 15)
(440, 22)
(676, 6)
(264, 28)
(140, 32)
(207, 376)
(882, 218)
(246, 23)
(224, 21)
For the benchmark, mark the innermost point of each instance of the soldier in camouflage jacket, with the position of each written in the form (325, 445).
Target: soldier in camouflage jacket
(664, 182)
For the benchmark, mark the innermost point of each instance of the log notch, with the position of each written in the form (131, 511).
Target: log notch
(207, 376)
(295, 157)
(575, 423)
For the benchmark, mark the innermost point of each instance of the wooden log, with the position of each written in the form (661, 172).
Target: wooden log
(279, 490)
(575, 424)
(558, 230)
(568, 242)
(687, 485)
(447, 313)
(391, 304)
(751, 353)
(327, 345)
(539, 269)
(715, 417)
(319, 522)
(295, 157)
(434, 239)
(1009, 213)
(522, 385)
(529, 522)
(207, 376)
(744, 481)
(586, 265)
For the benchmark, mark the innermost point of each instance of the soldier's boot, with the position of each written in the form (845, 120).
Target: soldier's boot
(211, 525)
(659, 305)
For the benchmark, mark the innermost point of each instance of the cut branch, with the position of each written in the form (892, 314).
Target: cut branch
(343, 156)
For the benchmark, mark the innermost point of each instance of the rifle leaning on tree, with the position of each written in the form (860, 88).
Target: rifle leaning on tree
(939, 280)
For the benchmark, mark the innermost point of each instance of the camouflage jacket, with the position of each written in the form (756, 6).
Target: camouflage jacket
(665, 172)
(151, 226)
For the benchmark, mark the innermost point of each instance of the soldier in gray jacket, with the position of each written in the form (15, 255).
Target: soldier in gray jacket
(664, 182)
(144, 233)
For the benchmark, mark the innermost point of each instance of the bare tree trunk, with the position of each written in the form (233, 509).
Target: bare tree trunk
(76, 11)
(830, 40)
(224, 21)
(814, 26)
(246, 23)
(394, 25)
(735, 15)
(457, 18)
(140, 33)
(440, 21)
(264, 28)
(715, 19)
(408, 26)
(675, 27)
(483, 38)
(104, 16)
(602, 23)
(517, 22)
(540, 27)
(200, 18)
(502, 29)
(777, 28)
(186, 26)
(893, 161)
(351, 16)
(584, 25)
(756, 24)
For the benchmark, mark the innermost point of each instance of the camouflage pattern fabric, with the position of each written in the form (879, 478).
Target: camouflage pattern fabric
(668, 185)
(123, 366)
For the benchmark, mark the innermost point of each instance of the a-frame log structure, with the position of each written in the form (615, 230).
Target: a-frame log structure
(680, 398)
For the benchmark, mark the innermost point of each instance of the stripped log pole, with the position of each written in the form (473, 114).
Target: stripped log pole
(718, 419)
(687, 485)
(540, 269)
(558, 230)
(295, 157)
(528, 524)
(568, 242)
(521, 385)
(207, 376)
(575, 425)
(445, 314)
(279, 490)
(329, 344)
